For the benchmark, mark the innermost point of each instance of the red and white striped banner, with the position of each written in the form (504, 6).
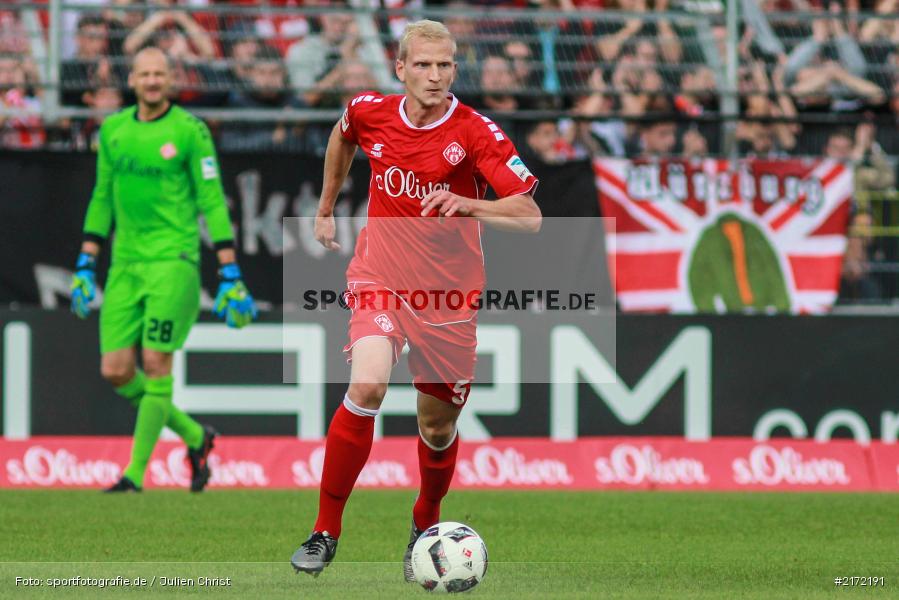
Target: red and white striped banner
(507, 463)
(708, 236)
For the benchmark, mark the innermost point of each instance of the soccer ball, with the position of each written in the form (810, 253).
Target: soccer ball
(449, 557)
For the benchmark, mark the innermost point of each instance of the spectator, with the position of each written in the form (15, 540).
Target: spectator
(558, 50)
(21, 131)
(521, 58)
(126, 19)
(876, 29)
(103, 99)
(188, 47)
(314, 58)
(357, 77)
(603, 135)
(762, 138)
(839, 145)
(340, 85)
(545, 143)
(241, 47)
(91, 62)
(176, 33)
(637, 81)
(655, 139)
(694, 143)
(755, 139)
(873, 173)
(268, 88)
(697, 92)
(468, 53)
(267, 85)
(872, 170)
(612, 45)
(857, 283)
(820, 84)
(498, 85)
(13, 35)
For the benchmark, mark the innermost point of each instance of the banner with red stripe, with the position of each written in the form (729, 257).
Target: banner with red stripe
(638, 463)
(709, 236)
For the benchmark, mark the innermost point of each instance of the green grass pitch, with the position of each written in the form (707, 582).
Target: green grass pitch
(544, 545)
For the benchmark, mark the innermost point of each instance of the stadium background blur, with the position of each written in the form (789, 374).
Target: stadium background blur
(570, 81)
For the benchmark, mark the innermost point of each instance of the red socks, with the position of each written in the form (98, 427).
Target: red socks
(346, 451)
(436, 468)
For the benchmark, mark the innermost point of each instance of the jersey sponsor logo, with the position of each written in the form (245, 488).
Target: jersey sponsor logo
(208, 167)
(396, 182)
(377, 150)
(517, 166)
(454, 153)
(344, 121)
(132, 166)
(384, 322)
(168, 151)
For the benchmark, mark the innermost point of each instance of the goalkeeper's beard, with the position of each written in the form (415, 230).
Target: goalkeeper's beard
(154, 105)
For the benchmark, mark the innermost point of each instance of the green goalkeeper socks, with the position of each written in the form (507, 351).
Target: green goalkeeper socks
(185, 427)
(151, 417)
(133, 391)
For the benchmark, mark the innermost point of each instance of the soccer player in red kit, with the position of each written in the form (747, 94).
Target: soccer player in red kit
(430, 156)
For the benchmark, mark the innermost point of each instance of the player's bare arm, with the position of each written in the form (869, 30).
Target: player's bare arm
(338, 158)
(226, 256)
(88, 247)
(512, 213)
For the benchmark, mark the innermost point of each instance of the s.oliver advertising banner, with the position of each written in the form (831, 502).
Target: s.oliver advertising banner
(641, 463)
(711, 236)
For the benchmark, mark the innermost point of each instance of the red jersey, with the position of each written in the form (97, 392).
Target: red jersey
(462, 152)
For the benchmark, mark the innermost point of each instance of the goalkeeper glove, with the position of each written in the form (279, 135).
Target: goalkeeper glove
(233, 301)
(84, 285)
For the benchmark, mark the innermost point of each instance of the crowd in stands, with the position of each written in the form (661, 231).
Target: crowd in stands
(645, 81)
(658, 58)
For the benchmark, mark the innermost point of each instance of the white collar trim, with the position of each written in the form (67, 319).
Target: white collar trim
(437, 123)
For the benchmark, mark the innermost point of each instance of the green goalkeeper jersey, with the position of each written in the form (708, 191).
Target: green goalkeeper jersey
(154, 178)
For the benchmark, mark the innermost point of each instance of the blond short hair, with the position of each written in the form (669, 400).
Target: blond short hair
(425, 29)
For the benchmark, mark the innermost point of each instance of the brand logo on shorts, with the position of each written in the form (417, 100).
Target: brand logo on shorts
(383, 321)
(454, 153)
(168, 151)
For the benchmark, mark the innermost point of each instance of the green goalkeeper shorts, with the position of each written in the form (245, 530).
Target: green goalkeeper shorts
(154, 303)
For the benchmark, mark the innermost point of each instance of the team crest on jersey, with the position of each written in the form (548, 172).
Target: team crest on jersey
(168, 151)
(454, 153)
(383, 321)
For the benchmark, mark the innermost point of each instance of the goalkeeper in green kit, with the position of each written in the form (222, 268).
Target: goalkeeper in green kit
(156, 171)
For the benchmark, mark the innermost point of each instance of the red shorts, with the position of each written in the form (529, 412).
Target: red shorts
(441, 357)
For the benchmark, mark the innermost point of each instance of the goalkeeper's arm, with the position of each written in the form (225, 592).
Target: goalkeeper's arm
(97, 223)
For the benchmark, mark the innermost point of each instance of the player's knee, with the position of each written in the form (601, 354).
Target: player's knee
(436, 432)
(117, 373)
(157, 364)
(367, 395)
